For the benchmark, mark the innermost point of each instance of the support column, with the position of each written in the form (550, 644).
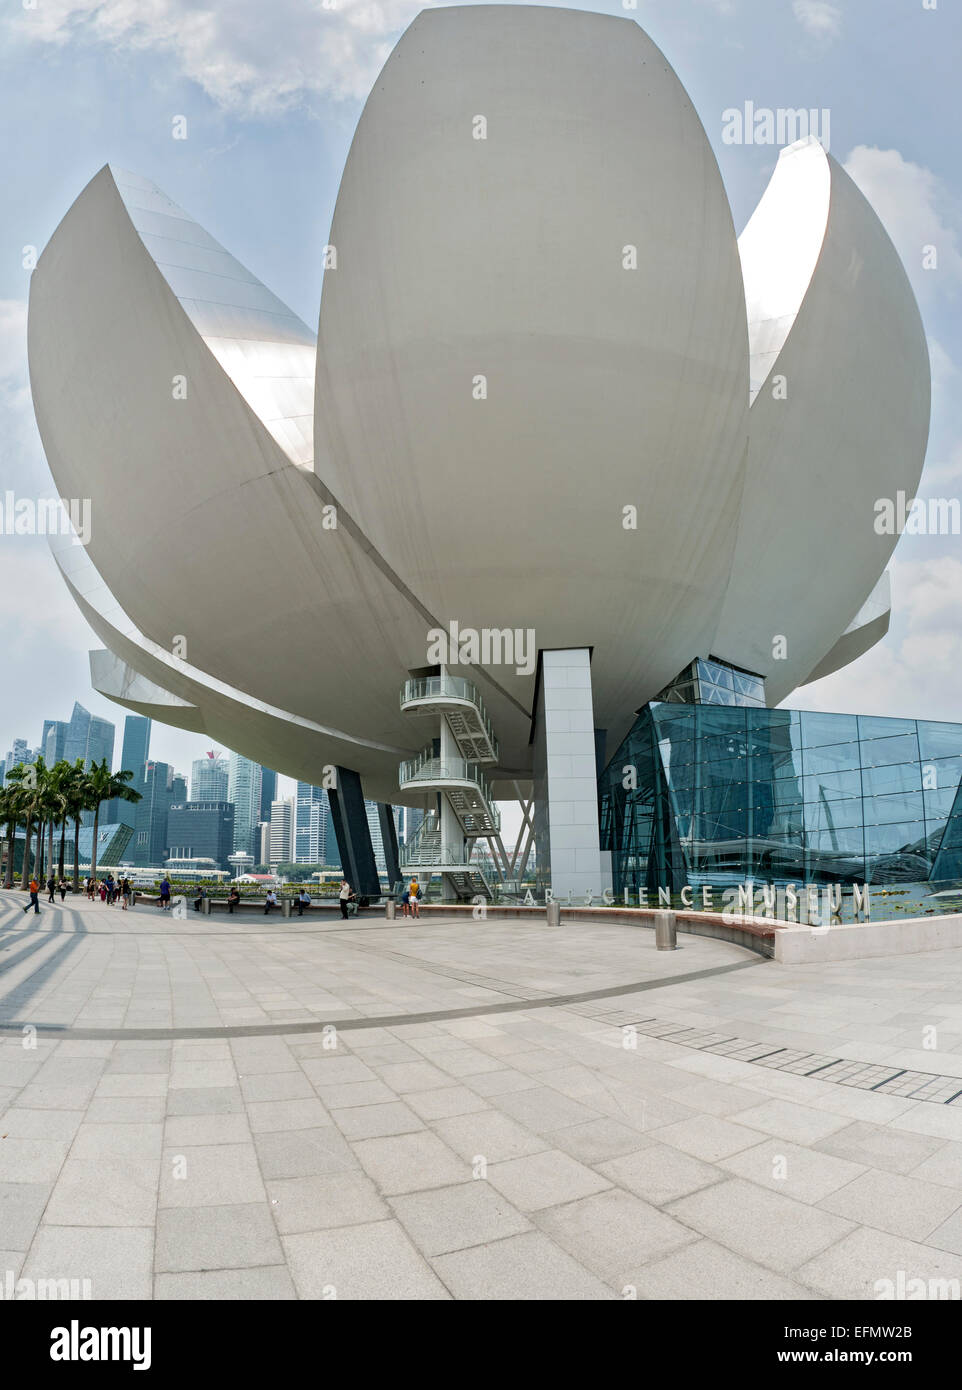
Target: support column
(451, 833)
(385, 816)
(565, 777)
(353, 833)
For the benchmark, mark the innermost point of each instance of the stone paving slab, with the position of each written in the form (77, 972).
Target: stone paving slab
(586, 1118)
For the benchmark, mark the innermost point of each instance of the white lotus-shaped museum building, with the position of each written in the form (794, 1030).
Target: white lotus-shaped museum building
(552, 393)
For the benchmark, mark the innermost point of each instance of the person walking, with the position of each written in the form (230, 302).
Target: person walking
(125, 893)
(34, 896)
(414, 891)
(164, 893)
(51, 888)
(233, 898)
(406, 902)
(346, 894)
(62, 885)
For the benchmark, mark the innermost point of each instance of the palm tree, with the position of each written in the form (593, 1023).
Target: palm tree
(10, 812)
(104, 785)
(76, 796)
(29, 797)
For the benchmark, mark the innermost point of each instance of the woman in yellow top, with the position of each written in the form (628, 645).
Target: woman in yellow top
(414, 894)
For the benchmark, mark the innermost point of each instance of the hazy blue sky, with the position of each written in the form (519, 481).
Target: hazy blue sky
(272, 92)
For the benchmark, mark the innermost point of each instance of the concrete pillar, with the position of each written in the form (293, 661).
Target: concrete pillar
(565, 777)
(385, 818)
(353, 833)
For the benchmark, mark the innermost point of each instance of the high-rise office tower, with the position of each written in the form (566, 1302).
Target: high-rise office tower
(136, 747)
(53, 742)
(244, 791)
(209, 777)
(18, 754)
(377, 841)
(268, 791)
(133, 758)
(282, 831)
(201, 830)
(262, 836)
(312, 824)
(100, 742)
(151, 843)
(88, 737)
(408, 820)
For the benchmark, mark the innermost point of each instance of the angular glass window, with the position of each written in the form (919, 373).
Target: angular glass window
(879, 726)
(828, 728)
(939, 740)
(877, 752)
(832, 757)
(897, 806)
(833, 785)
(898, 777)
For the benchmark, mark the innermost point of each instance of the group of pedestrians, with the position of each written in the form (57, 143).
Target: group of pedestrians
(109, 890)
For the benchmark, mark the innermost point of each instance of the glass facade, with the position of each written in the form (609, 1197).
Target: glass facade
(711, 682)
(715, 794)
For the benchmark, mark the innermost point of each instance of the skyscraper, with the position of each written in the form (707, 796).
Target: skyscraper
(136, 747)
(377, 840)
(53, 742)
(282, 831)
(88, 737)
(244, 791)
(133, 758)
(150, 847)
(268, 791)
(209, 777)
(201, 830)
(312, 826)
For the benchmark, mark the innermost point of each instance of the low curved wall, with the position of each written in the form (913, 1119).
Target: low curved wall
(754, 933)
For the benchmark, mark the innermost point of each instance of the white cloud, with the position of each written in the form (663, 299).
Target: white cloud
(24, 467)
(915, 211)
(818, 18)
(914, 672)
(250, 57)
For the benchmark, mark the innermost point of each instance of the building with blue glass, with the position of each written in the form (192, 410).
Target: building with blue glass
(710, 787)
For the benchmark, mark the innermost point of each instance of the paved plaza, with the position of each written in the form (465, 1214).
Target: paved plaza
(240, 1108)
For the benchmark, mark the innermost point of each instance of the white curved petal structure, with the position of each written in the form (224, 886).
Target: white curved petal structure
(869, 626)
(539, 322)
(839, 419)
(494, 387)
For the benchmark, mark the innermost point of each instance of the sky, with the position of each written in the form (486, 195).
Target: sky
(271, 94)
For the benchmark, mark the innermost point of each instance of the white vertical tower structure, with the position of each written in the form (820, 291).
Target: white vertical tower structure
(450, 767)
(566, 777)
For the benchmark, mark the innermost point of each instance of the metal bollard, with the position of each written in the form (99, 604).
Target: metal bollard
(554, 914)
(389, 910)
(665, 931)
(207, 907)
(285, 907)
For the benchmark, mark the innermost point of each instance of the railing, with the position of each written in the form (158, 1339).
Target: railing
(454, 687)
(429, 767)
(434, 852)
